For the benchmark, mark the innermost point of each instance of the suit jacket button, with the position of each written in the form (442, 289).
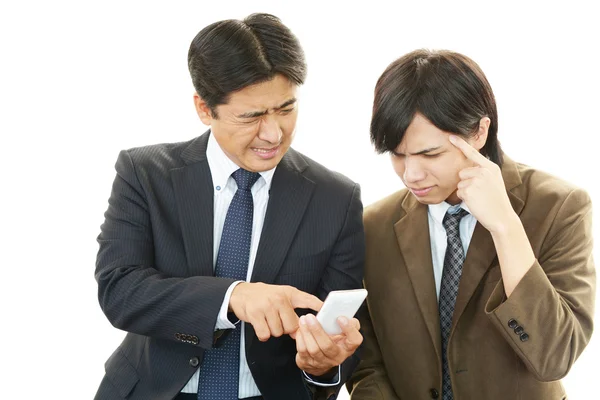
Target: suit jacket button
(524, 337)
(194, 340)
(178, 336)
(194, 362)
(512, 323)
(434, 393)
(519, 329)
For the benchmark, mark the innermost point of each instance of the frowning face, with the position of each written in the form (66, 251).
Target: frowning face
(257, 125)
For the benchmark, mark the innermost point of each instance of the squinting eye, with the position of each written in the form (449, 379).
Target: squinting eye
(431, 155)
(287, 111)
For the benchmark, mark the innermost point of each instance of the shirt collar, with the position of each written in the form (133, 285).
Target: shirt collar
(438, 211)
(221, 166)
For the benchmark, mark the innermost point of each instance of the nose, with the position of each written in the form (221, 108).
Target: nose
(413, 170)
(270, 131)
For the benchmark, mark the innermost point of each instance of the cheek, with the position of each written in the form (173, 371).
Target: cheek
(447, 175)
(398, 165)
(288, 125)
(245, 135)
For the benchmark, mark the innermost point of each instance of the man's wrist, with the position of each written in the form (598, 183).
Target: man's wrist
(325, 375)
(325, 380)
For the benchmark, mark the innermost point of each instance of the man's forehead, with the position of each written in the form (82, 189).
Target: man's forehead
(412, 144)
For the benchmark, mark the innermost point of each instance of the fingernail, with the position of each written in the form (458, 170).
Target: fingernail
(302, 320)
(343, 320)
(453, 138)
(311, 319)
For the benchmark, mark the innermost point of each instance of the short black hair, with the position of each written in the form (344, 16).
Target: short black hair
(447, 88)
(229, 55)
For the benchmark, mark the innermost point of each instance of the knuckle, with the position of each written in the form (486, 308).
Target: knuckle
(330, 348)
(314, 352)
(255, 315)
(263, 337)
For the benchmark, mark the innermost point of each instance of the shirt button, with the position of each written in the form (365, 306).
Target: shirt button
(512, 323)
(218, 187)
(194, 362)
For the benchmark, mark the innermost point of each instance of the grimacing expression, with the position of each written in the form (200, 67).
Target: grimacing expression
(428, 163)
(257, 125)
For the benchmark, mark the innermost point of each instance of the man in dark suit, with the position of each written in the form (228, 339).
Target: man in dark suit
(480, 273)
(210, 246)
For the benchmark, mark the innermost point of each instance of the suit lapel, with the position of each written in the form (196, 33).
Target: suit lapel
(482, 251)
(479, 258)
(193, 189)
(413, 238)
(289, 196)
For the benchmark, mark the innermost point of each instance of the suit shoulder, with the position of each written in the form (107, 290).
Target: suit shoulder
(386, 209)
(321, 174)
(541, 187)
(163, 156)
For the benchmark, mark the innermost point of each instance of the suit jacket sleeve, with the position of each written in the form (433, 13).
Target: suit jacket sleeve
(554, 302)
(370, 380)
(134, 295)
(345, 271)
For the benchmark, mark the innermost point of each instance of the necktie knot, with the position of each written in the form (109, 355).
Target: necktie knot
(451, 221)
(245, 179)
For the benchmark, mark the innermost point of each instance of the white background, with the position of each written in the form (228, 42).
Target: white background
(81, 80)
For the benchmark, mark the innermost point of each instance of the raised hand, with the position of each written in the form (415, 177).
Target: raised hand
(482, 189)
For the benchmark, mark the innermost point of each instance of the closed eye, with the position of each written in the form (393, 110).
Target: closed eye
(286, 111)
(250, 121)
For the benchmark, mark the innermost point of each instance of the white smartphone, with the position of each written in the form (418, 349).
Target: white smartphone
(339, 303)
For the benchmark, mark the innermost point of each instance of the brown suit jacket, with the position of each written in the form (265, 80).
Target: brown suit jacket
(553, 304)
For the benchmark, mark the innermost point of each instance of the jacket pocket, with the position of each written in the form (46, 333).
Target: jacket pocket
(121, 373)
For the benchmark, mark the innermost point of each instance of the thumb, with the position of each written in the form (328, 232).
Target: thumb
(300, 299)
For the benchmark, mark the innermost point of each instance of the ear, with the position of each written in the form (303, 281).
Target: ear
(203, 110)
(478, 141)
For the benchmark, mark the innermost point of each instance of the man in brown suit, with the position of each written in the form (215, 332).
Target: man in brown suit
(480, 275)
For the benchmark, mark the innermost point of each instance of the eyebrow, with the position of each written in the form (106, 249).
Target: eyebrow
(429, 150)
(254, 114)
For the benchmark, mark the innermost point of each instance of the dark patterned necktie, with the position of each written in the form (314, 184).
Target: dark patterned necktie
(453, 262)
(219, 373)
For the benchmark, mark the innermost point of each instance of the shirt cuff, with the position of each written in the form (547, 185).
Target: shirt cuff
(222, 321)
(314, 379)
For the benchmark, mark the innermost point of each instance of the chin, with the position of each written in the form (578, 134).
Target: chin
(424, 200)
(261, 165)
(429, 199)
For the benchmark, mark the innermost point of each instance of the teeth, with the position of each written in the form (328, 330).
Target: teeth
(262, 150)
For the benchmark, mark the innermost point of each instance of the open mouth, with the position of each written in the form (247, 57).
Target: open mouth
(265, 153)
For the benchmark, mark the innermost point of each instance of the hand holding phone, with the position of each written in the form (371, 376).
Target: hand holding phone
(339, 303)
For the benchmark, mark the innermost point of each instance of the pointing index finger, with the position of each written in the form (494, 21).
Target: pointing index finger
(468, 150)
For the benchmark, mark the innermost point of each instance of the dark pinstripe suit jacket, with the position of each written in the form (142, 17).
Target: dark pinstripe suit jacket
(155, 266)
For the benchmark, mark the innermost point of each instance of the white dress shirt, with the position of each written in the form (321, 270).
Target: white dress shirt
(438, 237)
